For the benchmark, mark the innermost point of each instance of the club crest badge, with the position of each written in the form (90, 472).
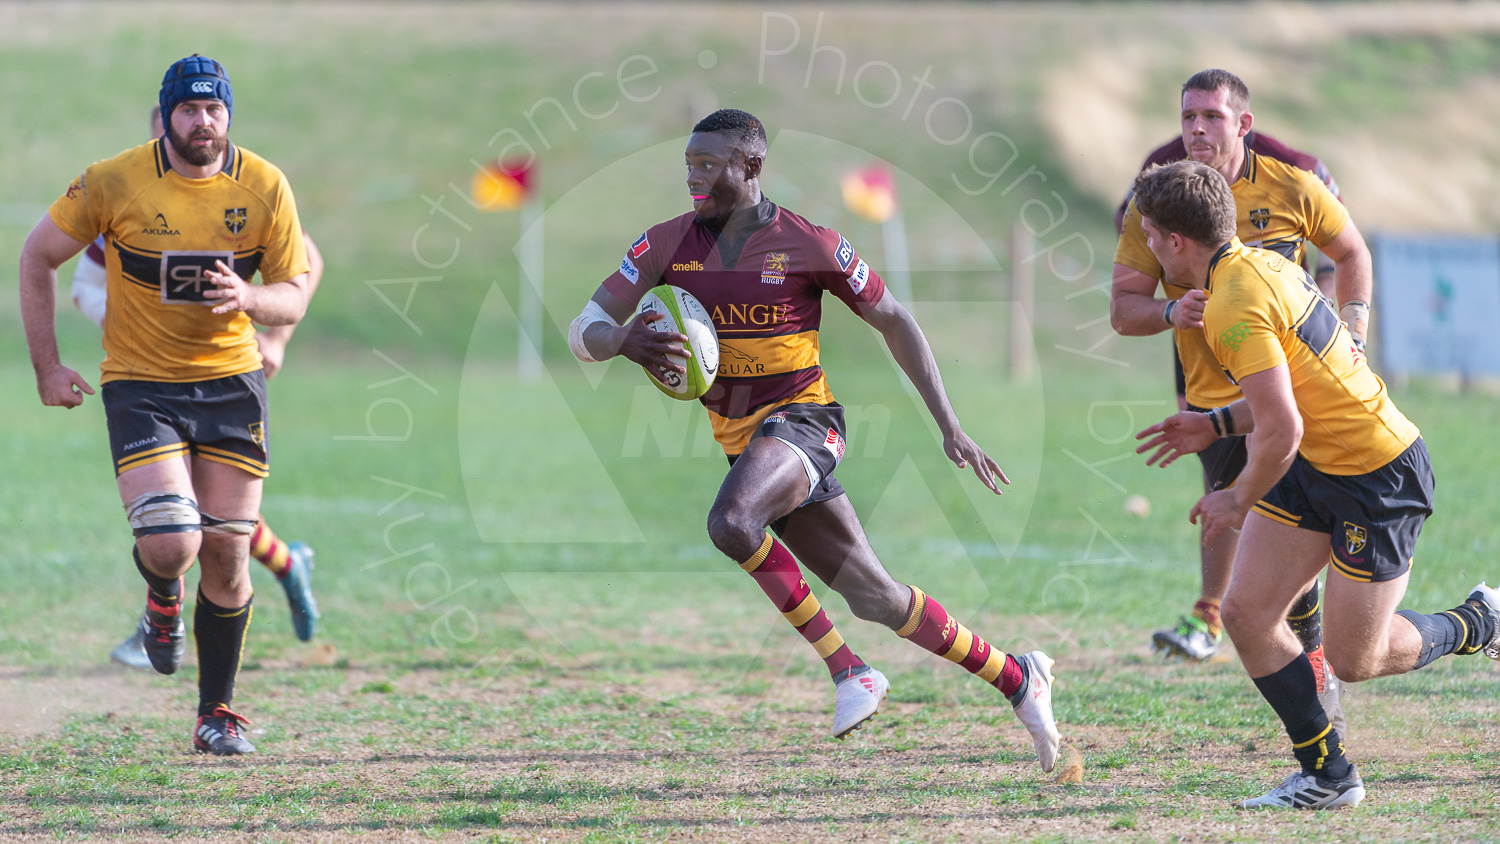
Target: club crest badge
(1354, 538)
(1260, 218)
(773, 271)
(234, 219)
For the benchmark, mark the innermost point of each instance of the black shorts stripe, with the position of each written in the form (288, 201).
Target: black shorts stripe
(156, 456)
(211, 452)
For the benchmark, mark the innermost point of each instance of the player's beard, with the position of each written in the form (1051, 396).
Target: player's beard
(196, 155)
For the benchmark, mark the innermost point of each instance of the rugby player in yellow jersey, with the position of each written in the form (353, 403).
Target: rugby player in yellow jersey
(188, 219)
(1333, 466)
(1278, 206)
(290, 562)
(762, 272)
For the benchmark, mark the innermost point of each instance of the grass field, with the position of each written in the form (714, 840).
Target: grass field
(526, 634)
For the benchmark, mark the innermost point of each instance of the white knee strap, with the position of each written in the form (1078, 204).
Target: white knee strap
(237, 527)
(162, 512)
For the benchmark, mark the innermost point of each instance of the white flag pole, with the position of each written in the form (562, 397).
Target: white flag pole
(530, 251)
(897, 266)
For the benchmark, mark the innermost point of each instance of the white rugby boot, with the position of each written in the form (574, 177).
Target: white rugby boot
(1307, 791)
(857, 699)
(1487, 599)
(1033, 705)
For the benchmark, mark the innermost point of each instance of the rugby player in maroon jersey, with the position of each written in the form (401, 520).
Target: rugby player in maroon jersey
(761, 272)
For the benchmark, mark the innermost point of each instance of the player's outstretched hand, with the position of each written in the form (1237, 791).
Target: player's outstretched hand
(1189, 310)
(60, 386)
(646, 347)
(1188, 432)
(964, 453)
(1217, 512)
(236, 293)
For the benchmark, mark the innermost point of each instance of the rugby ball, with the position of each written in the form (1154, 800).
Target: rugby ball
(683, 314)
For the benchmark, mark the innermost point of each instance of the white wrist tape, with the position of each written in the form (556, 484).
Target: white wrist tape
(1355, 312)
(592, 313)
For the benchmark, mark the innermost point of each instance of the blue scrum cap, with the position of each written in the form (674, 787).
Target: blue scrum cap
(194, 78)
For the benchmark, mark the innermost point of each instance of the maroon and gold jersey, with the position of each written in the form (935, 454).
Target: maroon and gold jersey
(766, 303)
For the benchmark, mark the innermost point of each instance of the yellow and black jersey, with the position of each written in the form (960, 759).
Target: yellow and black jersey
(1263, 311)
(162, 231)
(1277, 206)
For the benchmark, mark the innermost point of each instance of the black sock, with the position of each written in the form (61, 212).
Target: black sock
(163, 595)
(220, 634)
(1462, 630)
(1293, 693)
(1306, 619)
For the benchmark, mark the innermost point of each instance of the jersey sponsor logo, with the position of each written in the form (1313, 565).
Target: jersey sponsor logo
(1355, 538)
(258, 433)
(778, 416)
(845, 254)
(689, 267)
(860, 277)
(1260, 218)
(773, 269)
(733, 362)
(234, 219)
(138, 443)
(161, 228)
(1234, 335)
(628, 270)
(184, 277)
(203, 87)
(739, 317)
(78, 188)
(835, 444)
(640, 247)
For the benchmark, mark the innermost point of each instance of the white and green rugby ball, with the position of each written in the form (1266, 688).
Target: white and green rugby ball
(683, 314)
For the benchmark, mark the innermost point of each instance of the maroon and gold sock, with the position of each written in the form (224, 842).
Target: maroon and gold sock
(776, 572)
(1207, 611)
(268, 548)
(930, 626)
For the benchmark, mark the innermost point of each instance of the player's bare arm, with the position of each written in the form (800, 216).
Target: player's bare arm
(281, 303)
(47, 247)
(1278, 432)
(1135, 310)
(1192, 431)
(912, 353)
(631, 336)
(273, 341)
(1353, 277)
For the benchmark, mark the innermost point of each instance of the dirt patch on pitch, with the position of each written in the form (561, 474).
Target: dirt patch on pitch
(36, 702)
(673, 755)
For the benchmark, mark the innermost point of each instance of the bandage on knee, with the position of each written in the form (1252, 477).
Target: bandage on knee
(162, 512)
(237, 527)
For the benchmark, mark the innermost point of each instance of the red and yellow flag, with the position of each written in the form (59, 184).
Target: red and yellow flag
(870, 193)
(503, 185)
